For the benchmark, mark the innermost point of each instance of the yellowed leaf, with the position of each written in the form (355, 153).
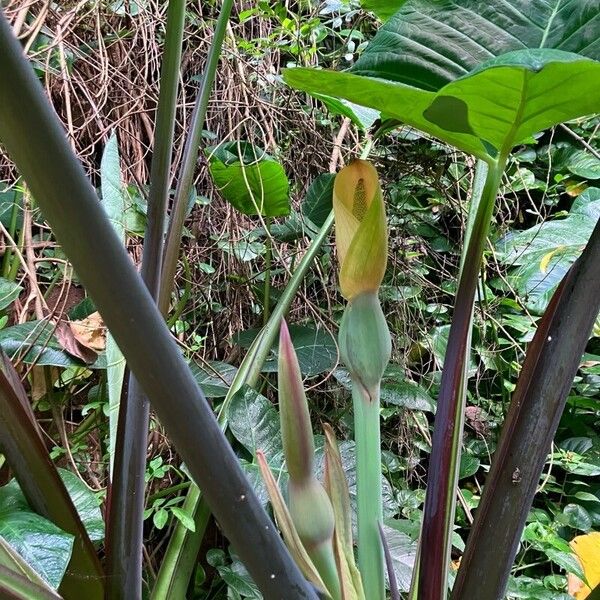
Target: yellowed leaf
(66, 338)
(38, 383)
(337, 488)
(90, 332)
(587, 549)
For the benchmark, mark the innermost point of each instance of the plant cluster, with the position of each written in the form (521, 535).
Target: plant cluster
(451, 371)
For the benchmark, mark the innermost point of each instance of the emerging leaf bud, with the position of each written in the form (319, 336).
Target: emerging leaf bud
(313, 518)
(360, 229)
(364, 340)
(310, 507)
(296, 430)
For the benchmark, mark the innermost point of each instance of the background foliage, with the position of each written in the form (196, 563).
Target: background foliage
(99, 64)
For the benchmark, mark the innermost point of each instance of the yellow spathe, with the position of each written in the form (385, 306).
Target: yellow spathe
(360, 229)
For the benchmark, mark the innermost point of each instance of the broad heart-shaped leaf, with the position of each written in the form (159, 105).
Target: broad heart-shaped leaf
(318, 202)
(544, 253)
(251, 180)
(384, 9)
(429, 43)
(42, 544)
(490, 110)
(316, 349)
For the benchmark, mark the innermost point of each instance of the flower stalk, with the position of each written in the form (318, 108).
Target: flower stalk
(365, 347)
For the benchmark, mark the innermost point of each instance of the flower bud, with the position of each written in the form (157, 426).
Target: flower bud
(364, 340)
(360, 229)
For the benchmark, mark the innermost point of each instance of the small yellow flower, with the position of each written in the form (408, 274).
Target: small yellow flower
(360, 229)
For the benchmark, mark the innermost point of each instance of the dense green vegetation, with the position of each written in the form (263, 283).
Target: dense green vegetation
(255, 247)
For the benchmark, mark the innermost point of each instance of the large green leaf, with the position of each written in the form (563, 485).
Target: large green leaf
(429, 43)
(113, 191)
(42, 544)
(403, 552)
(384, 9)
(439, 343)
(214, 377)
(113, 201)
(318, 202)
(11, 199)
(493, 108)
(482, 77)
(86, 503)
(361, 116)
(250, 179)
(17, 574)
(254, 422)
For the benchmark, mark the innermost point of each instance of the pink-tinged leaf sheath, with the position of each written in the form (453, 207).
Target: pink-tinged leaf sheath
(286, 525)
(310, 506)
(296, 430)
(360, 229)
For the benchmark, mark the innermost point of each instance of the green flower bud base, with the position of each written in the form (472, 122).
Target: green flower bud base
(364, 340)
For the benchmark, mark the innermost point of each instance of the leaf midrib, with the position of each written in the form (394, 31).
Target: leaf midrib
(549, 24)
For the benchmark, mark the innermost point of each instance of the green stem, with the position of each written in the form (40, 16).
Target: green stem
(190, 158)
(438, 518)
(7, 263)
(479, 179)
(185, 296)
(268, 258)
(368, 489)
(178, 487)
(14, 261)
(182, 552)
